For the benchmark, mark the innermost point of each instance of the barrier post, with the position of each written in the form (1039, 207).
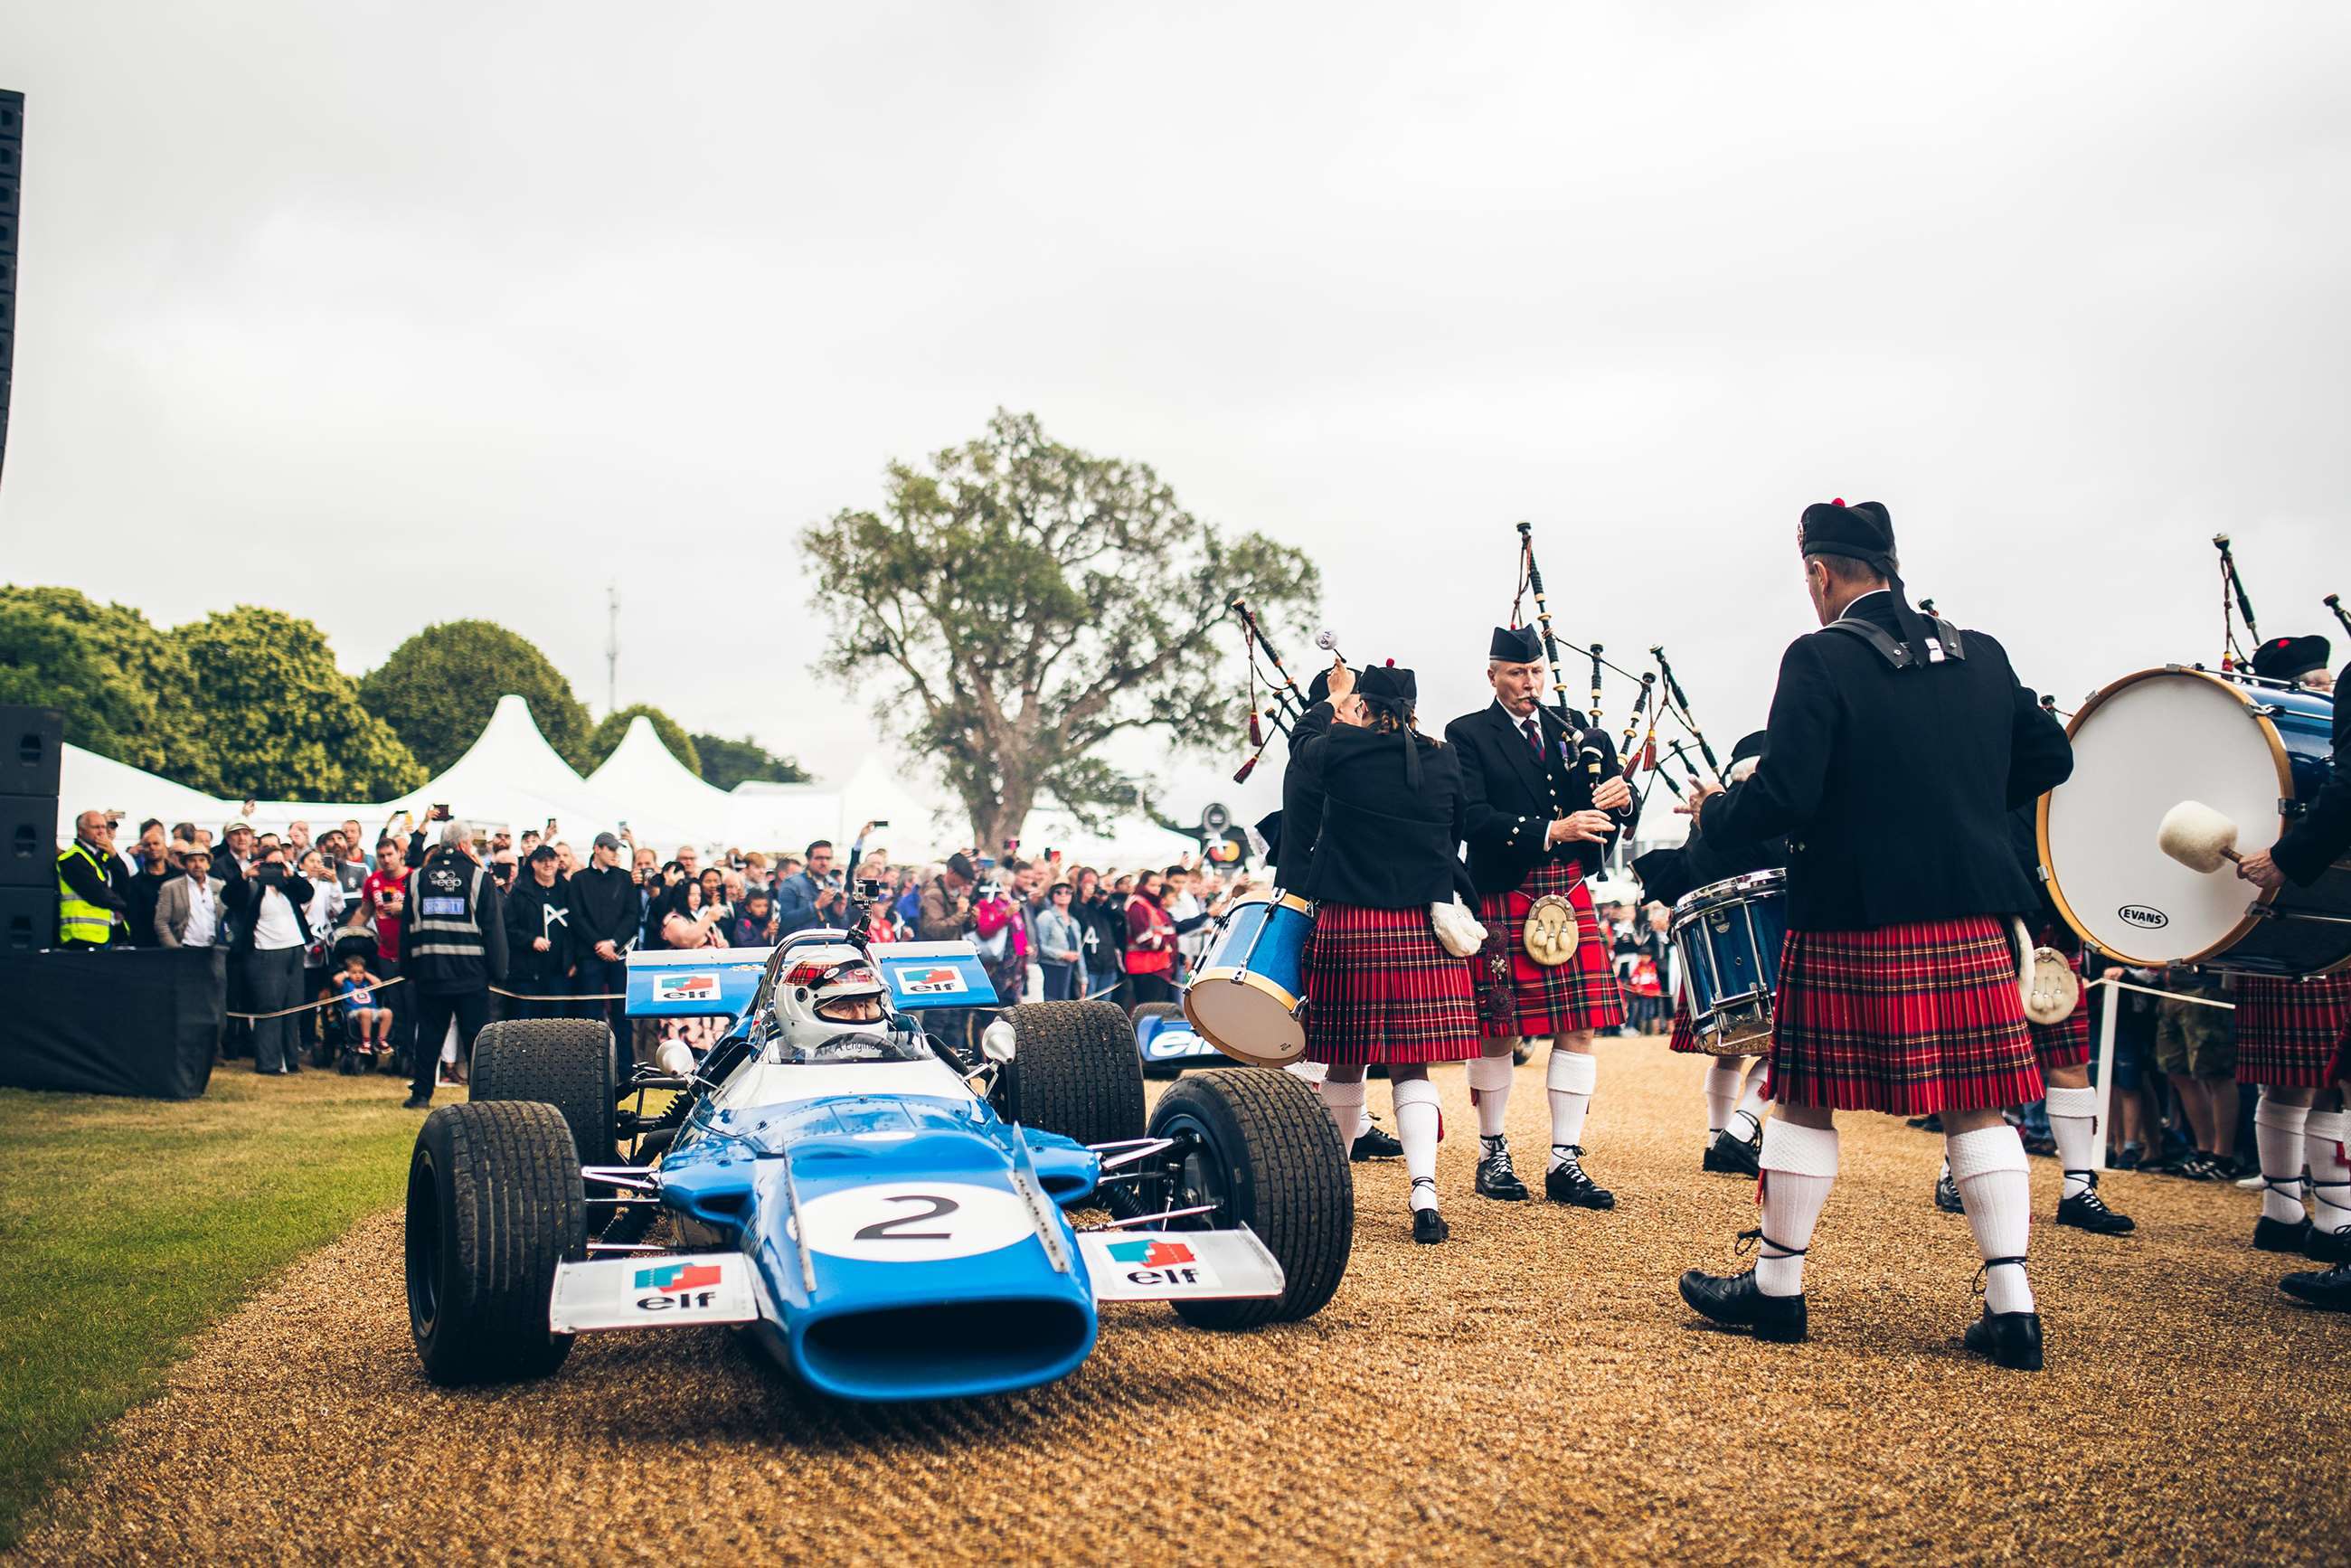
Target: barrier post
(2105, 1072)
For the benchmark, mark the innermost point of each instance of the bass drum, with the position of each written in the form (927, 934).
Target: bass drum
(2252, 750)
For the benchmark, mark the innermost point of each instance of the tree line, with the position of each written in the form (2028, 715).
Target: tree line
(249, 701)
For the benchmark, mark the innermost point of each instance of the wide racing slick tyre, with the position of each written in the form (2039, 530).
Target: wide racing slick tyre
(1155, 1010)
(495, 1201)
(1074, 1070)
(1259, 1145)
(563, 1063)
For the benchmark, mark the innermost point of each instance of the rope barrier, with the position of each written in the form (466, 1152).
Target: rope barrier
(313, 1007)
(566, 997)
(2105, 1083)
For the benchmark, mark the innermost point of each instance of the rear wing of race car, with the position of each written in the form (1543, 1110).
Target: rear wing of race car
(700, 981)
(694, 983)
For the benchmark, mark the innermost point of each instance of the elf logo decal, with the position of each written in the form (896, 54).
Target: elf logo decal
(680, 1286)
(2140, 916)
(1162, 1263)
(696, 988)
(930, 983)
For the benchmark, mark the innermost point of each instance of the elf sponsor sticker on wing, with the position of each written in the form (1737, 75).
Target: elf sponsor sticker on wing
(650, 1292)
(696, 985)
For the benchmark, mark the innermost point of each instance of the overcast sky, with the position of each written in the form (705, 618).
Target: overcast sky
(393, 313)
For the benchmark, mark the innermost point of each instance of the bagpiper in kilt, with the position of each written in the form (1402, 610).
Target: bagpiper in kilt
(2062, 1052)
(1380, 986)
(1896, 749)
(1536, 827)
(2294, 1036)
(1735, 1098)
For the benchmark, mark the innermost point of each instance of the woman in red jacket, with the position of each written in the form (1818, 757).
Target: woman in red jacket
(1150, 942)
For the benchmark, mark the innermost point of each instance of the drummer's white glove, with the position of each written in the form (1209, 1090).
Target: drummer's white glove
(1458, 930)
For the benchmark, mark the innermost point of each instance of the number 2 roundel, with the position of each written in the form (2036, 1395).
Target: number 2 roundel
(913, 1221)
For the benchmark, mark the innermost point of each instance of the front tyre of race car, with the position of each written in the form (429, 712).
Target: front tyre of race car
(495, 1201)
(1074, 1070)
(1259, 1145)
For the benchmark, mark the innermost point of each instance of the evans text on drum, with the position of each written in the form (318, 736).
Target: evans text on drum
(2252, 750)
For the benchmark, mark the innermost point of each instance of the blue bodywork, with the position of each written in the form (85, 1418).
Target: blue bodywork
(1171, 1043)
(765, 1158)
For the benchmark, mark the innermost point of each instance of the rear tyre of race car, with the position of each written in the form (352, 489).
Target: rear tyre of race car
(1262, 1148)
(1157, 1010)
(1074, 1070)
(563, 1063)
(495, 1201)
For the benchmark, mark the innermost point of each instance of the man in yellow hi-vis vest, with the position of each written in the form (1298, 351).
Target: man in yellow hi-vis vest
(89, 886)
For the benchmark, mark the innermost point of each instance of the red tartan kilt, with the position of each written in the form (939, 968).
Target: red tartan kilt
(1684, 1041)
(2289, 1031)
(2065, 1044)
(1907, 1019)
(1380, 988)
(1580, 994)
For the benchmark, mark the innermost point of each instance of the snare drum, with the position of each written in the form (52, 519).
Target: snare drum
(2252, 750)
(1247, 998)
(1728, 937)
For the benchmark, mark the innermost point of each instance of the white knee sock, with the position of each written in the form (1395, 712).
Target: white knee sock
(1344, 1102)
(1800, 1165)
(1721, 1095)
(1572, 1076)
(2073, 1123)
(2278, 1138)
(1416, 1127)
(1989, 1165)
(1490, 1081)
(2322, 1135)
(1751, 1103)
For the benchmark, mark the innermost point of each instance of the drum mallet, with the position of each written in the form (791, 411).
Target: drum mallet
(2197, 837)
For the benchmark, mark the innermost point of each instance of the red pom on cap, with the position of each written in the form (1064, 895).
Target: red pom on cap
(1391, 664)
(1836, 501)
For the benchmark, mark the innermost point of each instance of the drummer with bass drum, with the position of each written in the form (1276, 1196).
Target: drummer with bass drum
(1735, 1101)
(1289, 834)
(1380, 985)
(1537, 825)
(2294, 1036)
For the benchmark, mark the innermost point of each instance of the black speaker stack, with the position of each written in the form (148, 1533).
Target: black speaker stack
(12, 169)
(31, 740)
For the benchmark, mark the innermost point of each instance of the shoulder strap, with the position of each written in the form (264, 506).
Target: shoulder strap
(1898, 654)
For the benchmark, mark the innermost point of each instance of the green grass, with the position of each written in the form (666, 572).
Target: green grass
(126, 1225)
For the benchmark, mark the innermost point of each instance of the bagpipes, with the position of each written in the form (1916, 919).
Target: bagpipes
(2236, 604)
(1289, 703)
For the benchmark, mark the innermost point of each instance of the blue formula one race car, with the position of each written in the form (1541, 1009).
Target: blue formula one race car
(886, 1215)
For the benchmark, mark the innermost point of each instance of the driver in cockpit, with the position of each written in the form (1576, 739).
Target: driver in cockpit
(849, 992)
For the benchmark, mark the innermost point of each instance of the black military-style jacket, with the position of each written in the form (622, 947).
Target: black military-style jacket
(1510, 799)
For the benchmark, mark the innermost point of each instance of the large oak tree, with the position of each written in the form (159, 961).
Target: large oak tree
(1028, 602)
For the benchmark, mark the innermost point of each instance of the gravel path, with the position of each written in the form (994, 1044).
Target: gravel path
(1534, 1389)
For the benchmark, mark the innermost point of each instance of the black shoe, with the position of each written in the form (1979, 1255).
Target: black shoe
(2087, 1211)
(2330, 1290)
(2241, 1165)
(2130, 1157)
(1733, 1300)
(2196, 1166)
(1946, 1194)
(1429, 1227)
(1568, 1184)
(417, 1103)
(1730, 1154)
(2327, 1246)
(1496, 1176)
(2281, 1235)
(2011, 1338)
(1375, 1144)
